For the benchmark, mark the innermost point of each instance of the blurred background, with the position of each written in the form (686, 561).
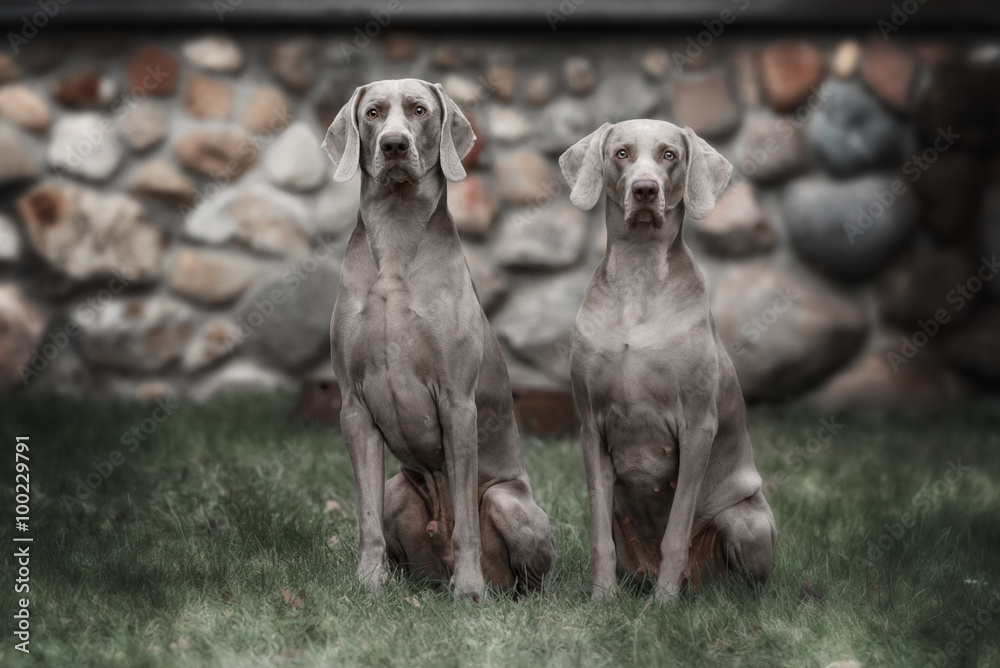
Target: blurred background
(169, 227)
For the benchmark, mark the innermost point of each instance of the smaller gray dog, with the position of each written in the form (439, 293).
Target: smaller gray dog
(670, 473)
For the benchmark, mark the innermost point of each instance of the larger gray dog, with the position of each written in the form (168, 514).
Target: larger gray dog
(673, 488)
(418, 365)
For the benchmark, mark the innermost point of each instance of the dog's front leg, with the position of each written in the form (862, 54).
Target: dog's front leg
(367, 449)
(695, 441)
(461, 448)
(600, 481)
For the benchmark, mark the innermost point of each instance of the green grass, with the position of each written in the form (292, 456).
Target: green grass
(192, 538)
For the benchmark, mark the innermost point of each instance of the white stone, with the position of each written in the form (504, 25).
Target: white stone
(85, 145)
(296, 161)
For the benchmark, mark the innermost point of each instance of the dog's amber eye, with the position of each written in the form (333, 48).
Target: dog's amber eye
(622, 154)
(373, 113)
(419, 111)
(670, 155)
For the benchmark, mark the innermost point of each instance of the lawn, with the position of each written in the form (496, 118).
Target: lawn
(227, 536)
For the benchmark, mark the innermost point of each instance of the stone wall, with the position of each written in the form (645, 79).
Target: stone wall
(168, 223)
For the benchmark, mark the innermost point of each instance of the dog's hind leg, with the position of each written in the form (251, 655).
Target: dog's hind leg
(517, 535)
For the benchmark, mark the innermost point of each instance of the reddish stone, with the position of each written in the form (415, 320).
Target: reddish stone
(319, 399)
(545, 412)
(208, 98)
(705, 104)
(153, 71)
(889, 71)
(472, 205)
(790, 71)
(400, 47)
(81, 90)
(216, 153)
(472, 159)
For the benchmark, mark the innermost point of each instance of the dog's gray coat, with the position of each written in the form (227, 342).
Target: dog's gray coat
(418, 365)
(669, 465)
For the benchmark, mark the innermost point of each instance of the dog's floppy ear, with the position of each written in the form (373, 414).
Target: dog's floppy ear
(582, 166)
(708, 174)
(457, 137)
(343, 140)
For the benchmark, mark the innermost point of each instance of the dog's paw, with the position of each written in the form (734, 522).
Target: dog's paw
(604, 594)
(468, 588)
(664, 595)
(373, 577)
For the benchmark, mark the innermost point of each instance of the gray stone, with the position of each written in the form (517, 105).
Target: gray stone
(563, 123)
(17, 160)
(537, 322)
(22, 325)
(508, 125)
(215, 341)
(772, 149)
(10, 241)
(214, 53)
(539, 89)
(491, 286)
(782, 331)
(621, 97)
(737, 227)
(241, 376)
(843, 229)
(550, 237)
(265, 316)
(295, 63)
(137, 335)
(336, 209)
(258, 218)
(85, 145)
(86, 233)
(144, 126)
(210, 277)
(852, 132)
(295, 161)
(580, 75)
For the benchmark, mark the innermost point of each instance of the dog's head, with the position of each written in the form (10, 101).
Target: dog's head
(397, 130)
(647, 168)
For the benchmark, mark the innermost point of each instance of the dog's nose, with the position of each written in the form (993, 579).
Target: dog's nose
(645, 190)
(394, 145)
